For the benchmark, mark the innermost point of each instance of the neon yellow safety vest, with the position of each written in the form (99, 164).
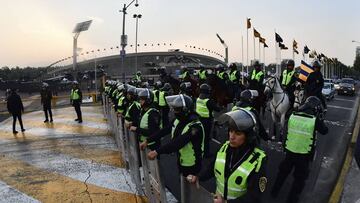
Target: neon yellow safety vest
(201, 108)
(156, 99)
(187, 153)
(202, 74)
(114, 93)
(185, 74)
(234, 188)
(106, 89)
(135, 104)
(144, 124)
(221, 75)
(74, 95)
(235, 108)
(287, 77)
(233, 76)
(300, 133)
(120, 104)
(162, 100)
(256, 76)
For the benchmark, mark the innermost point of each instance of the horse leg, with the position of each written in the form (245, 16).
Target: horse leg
(282, 127)
(273, 116)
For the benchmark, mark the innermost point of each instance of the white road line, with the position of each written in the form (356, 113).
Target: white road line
(340, 107)
(9, 194)
(347, 100)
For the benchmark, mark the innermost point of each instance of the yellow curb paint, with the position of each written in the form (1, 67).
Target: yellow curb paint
(51, 187)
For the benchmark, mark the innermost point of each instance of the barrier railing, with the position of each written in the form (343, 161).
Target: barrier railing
(152, 185)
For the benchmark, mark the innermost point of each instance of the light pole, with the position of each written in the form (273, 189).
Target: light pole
(226, 48)
(123, 36)
(137, 17)
(80, 27)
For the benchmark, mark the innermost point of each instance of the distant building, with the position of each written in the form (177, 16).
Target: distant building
(358, 51)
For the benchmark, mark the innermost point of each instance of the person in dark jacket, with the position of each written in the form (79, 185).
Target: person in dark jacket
(187, 137)
(76, 99)
(315, 83)
(15, 108)
(46, 96)
(300, 147)
(239, 166)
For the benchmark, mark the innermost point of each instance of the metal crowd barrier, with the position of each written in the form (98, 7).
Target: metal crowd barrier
(152, 185)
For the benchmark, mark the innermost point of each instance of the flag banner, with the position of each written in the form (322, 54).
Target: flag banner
(296, 51)
(256, 34)
(248, 23)
(282, 46)
(306, 50)
(262, 40)
(295, 44)
(305, 70)
(265, 45)
(278, 38)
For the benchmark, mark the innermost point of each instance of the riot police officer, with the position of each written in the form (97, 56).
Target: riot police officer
(156, 91)
(163, 106)
(133, 111)
(76, 100)
(300, 146)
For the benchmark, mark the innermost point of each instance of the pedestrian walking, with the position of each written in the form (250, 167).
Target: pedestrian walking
(15, 108)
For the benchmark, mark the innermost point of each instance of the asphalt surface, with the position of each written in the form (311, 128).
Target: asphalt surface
(328, 156)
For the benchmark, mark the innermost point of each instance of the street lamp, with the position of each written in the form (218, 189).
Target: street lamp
(137, 17)
(80, 27)
(226, 48)
(123, 36)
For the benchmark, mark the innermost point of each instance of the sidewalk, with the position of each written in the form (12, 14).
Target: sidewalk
(351, 193)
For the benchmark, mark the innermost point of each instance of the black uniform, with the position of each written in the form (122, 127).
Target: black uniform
(314, 85)
(179, 141)
(46, 96)
(15, 108)
(300, 163)
(236, 157)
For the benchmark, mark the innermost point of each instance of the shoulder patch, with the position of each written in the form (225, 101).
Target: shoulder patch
(262, 184)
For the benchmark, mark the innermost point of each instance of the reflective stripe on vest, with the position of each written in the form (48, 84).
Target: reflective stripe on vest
(233, 76)
(202, 74)
(201, 108)
(162, 101)
(120, 104)
(235, 108)
(114, 92)
(135, 104)
(144, 124)
(234, 189)
(74, 95)
(256, 76)
(300, 133)
(184, 75)
(221, 75)
(287, 77)
(187, 153)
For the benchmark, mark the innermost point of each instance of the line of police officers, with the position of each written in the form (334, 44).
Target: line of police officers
(239, 165)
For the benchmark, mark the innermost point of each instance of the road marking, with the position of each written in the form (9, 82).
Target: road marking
(340, 107)
(347, 100)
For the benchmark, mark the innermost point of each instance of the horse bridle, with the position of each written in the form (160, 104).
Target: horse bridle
(271, 89)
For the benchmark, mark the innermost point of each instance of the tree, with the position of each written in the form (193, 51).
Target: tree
(357, 63)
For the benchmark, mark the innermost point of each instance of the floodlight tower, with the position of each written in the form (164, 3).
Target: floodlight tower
(80, 27)
(226, 48)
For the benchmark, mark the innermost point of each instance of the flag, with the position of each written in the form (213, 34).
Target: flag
(265, 45)
(306, 49)
(278, 38)
(256, 34)
(248, 23)
(305, 70)
(295, 44)
(282, 46)
(262, 40)
(296, 51)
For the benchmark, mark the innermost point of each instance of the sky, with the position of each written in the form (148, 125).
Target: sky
(39, 32)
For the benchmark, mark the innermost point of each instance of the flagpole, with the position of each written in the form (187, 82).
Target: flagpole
(247, 48)
(259, 51)
(242, 58)
(293, 50)
(276, 55)
(254, 46)
(264, 54)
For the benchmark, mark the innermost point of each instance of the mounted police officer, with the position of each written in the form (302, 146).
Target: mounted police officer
(288, 80)
(300, 146)
(203, 74)
(221, 73)
(185, 74)
(315, 83)
(156, 91)
(137, 78)
(187, 137)
(204, 107)
(149, 119)
(257, 78)
(239, 167)
(46, 96)
(76, 100)
(234, 78)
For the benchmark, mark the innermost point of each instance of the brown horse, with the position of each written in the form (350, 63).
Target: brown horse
(222, 93)
(175, 84)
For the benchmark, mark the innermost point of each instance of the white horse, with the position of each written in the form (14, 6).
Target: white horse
(279, 104)
(299, 98)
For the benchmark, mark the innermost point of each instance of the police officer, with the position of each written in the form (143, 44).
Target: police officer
(234, 78)
(46, 96)
(185, 74)
(187, 137)
(300, 146)
(247, 98)
(133, 111)
(239, 167)
(156, 91)
(163, 106)
(137, 78)
(149, 119)
(122, 101)
(76, 99)
(221, 73)
(257, 78)
(288, 80)
(204, 107)
(15, 108)
(315, 83)
(203, 74)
